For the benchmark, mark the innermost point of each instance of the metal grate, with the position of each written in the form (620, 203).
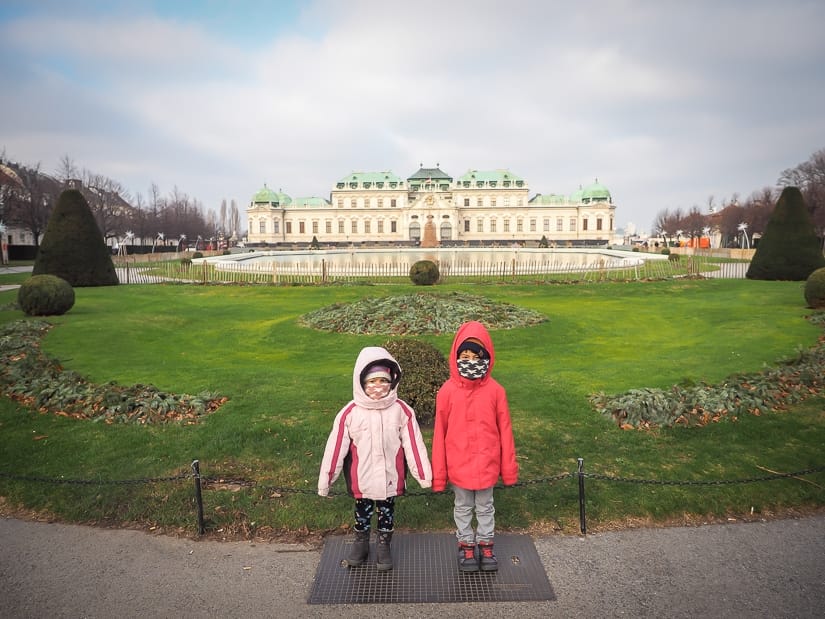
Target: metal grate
(425, 570)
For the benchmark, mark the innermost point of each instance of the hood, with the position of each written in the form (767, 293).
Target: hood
(467, 330)
(368, 356)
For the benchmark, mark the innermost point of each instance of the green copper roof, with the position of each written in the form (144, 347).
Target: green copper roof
(489, 175)
(435, 174)
(551, 199)
(310, 202)
(266, 195)
(596, 191)
(371, 177)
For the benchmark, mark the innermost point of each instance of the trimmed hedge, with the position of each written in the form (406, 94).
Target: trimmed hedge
(45, 295)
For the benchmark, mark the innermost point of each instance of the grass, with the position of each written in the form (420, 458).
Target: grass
(285, 383)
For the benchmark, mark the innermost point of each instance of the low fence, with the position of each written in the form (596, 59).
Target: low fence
(277, 491)
(323, 272)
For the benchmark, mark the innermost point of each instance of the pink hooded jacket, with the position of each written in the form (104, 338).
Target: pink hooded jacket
(374, 442)
(473, 437)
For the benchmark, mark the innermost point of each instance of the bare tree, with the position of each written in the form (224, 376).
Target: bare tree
(810, 178)
(67, 170)
(31, 205)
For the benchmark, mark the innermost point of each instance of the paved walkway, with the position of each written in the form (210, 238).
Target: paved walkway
(764, 569)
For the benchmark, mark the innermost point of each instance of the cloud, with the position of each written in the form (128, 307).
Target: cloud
(666, 103)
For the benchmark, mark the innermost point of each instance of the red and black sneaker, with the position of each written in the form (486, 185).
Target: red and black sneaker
(467, 561)
(487, 557)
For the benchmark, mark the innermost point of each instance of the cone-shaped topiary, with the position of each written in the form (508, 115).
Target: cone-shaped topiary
(789, 248)
(73, 247)
(45, 295)
(815, 289)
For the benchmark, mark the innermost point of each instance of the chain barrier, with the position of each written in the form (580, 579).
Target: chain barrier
(277, 491)
(95, 482)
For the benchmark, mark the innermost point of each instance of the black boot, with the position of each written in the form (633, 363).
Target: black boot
(467, 557)
(487, 557)
(383, 557)
(360, 549)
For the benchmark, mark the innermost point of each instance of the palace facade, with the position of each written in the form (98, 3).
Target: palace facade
(432, 208)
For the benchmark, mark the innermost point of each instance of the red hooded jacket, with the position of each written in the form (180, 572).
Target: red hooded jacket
(473, 438)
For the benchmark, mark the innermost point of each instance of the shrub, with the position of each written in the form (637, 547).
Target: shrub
(665, 251)
(73, 248)
(424, 273)
(673, 257)
(197, 254)
(423, 370)
(789, 248)
(185, 263)
(45, 295)
(815, 289)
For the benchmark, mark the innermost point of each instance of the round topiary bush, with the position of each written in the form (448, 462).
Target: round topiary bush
(197, 254)
(815, 289)
(673, 257)
(424, 273)
(665, 251)
(185, 263)
(423, 370)
(45, 295)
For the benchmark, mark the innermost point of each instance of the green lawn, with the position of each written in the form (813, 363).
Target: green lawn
(285, 383)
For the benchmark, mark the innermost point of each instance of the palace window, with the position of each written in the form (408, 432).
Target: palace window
(301, 227)
(492, 225)
(532, 225)
(507, 225)
(466, 225)
(493, 202)
(340, 226)
(466, 201)
(479, 225)
(340, 203)
(479, 201)
(559, 224)
(275, 227)
(506, 201)
(393, 226)
(392, 203)
(314, 227)
(599, 223)
(328, 228)
(354, 227)
(262, 227)
(288, 226)
(380, 226)
(367, 226)
(367, 202)
(415, 231)
(572, 224)
(584, 224)
(380, 202)
(521, 201)
(353, 203)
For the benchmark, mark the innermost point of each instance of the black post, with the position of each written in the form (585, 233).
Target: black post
(582, 519)
(198, 496)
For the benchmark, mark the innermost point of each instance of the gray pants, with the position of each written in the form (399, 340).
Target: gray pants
(482, 502)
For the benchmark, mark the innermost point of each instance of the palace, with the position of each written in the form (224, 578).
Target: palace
(432, 208)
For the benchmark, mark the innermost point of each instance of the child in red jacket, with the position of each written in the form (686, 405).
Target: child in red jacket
(473, 443)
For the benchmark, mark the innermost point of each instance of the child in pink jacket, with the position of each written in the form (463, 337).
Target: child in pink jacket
(473, 443)
(375, 439)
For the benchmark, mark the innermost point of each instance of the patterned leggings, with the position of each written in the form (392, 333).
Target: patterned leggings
(365, 508)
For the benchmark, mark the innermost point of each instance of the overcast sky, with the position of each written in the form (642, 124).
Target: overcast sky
(666, 103)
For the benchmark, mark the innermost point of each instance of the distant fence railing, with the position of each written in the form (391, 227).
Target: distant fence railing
(324, 272)
(202, 482)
